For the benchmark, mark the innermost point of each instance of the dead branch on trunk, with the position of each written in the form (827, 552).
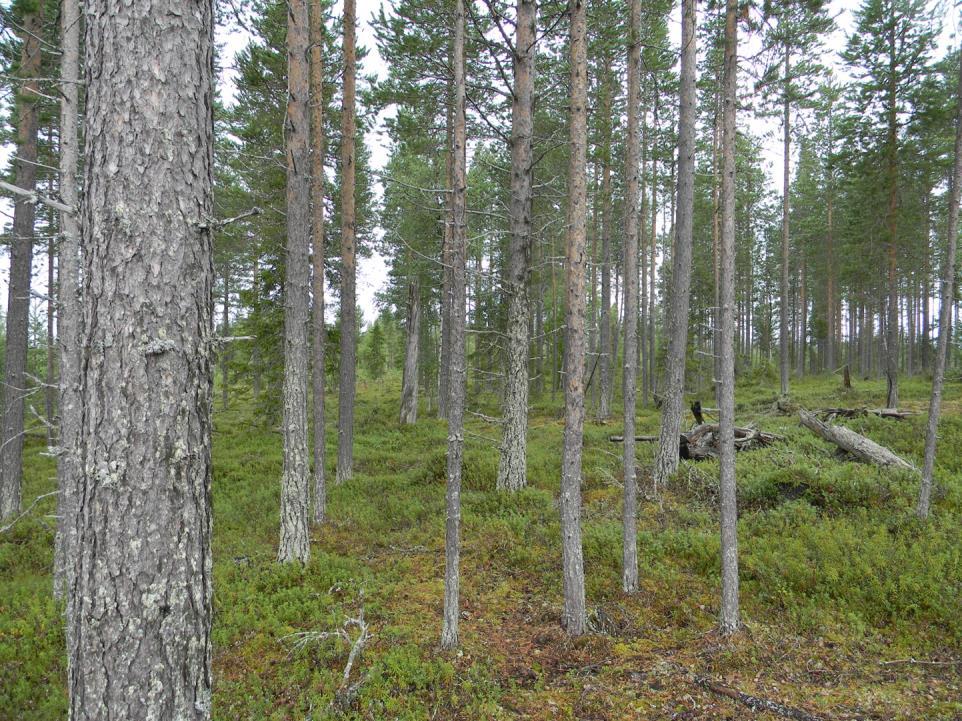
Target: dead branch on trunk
(858, 445)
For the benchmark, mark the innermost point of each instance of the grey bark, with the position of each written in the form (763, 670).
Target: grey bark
(225, 351)
(574, 617)
(348, 361)
(945, 318)
(864, 449)
(729, 617)
(409, 384)
(294, 542)
(629, 574)
(512, 469)
(317, 235)
(605, 355)
(457, 369)
(69, 314)
(21, 259)
(783, 278)
(139, 601)
(444, 382)
(666, 461)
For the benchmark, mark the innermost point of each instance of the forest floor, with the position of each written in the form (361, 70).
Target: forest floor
(852, 607)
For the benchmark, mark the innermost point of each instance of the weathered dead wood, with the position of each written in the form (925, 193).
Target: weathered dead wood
(858, 445)
(829, 414)
(755, 703)
(701, 442)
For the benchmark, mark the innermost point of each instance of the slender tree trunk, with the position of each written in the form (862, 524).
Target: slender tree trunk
(729, 617)
(70, 312)
(783, 363)
(445, 346)
(409, 383)
(676, 320)
(225, 351)
(139, 596)
(629, 573)
(21, 259)
(294, 544)
(512, 469)
(348, 360)
(605, 357)
(652, 376)
(830, 299)
(458, 360)
(945, 317)
(892, 326)
(574, 618)
(50, 392)
(318, 364)
(801, 349)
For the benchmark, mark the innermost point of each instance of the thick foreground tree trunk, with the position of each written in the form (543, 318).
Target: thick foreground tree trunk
(348, 367)
(945, 318)
(21, 259)
(409, 383)
(317, 236)
(729, 616)
(666, 462)
(294, 544)
(139, 601)
(457, 370)
(574, 618)
(629, 573)
(512, 469)
(69, 310)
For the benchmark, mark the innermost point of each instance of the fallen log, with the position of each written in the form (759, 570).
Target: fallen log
(858, 445)
(830, 414)
(701, 442)
(755, 703)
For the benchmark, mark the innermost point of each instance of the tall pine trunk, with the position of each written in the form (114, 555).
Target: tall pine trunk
(783, 362)
(318, 363)
(676, 320)
(574, 618)
(729, 617)
(409, 382)
(139, 598)
(945, 317)
(457, 371)
(892, 323)
(512, 468)
(21, 260)
(629, 574)
(348, 360)
(294, 544)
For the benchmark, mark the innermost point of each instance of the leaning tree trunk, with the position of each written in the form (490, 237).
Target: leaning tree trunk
(457, 370)
(729, 620)
(629, 574)
(21, 259)
(783, 276)
(348, 361)
(68, 296)
(511, 469)
(317, 234)
(409, 383)
(294, 543)
(666, 462)
(574, 618)
(945, 318)
(139, 601)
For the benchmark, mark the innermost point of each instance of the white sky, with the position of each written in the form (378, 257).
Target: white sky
(372, 272)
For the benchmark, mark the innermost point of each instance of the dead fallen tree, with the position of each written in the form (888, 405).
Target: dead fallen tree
(701, 442)
(864, 449)
(755, 703)
(830, 414)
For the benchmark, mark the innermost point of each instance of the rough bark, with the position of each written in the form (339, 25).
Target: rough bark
(605, 355)
(294, 543)
(444, 380)
(50, 391)
(225, 351)
(69, 314)
(348, 361)
(318, 363)
(629, 556)
(783, 277)
(892, 168)
(945, 318)
(457, 371)
(729, 616)
(409, 383)
(574, 618)
(512, 468)
(21, 258)
(666, 461)
(139, 601)
(864, 449)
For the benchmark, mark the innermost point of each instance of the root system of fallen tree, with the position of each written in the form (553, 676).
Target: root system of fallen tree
(701, 442)
(864, 449)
